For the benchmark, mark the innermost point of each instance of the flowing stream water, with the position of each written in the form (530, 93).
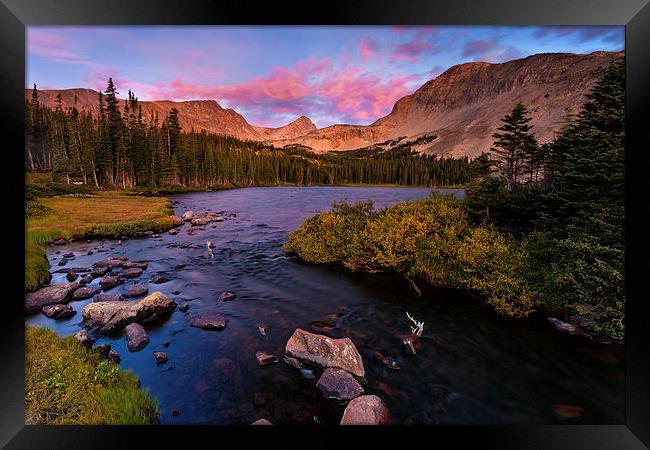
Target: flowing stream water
(472, 367)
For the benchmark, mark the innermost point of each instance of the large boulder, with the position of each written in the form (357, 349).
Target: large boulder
(338, 384)
(49, 295)
(187, 215)
(176, 221)
(136, 337)
(365, 410)
(107, 317)
(58, 311)
(325, 352)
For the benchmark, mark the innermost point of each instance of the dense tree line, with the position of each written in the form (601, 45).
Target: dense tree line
(121, 148)
(565, 200)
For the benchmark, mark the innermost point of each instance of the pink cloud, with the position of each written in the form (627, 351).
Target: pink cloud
(368, 48)
(308, 87)
(420, 30)
(410, 51)
(363, 96)
(98, 79)
(489, 50)
(53, 46)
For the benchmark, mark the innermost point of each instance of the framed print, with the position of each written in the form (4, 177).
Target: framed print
(393, 221)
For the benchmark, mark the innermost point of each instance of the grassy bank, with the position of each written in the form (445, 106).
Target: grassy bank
(37, 267)
(67, 383)
(109, 214)
(429, 240)
(55, 210)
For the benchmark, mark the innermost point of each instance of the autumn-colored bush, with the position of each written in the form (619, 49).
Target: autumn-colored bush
(429, 239)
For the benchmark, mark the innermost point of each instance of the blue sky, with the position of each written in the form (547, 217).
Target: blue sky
(273, 74)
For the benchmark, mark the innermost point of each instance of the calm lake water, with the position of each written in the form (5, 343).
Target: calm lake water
(472, 367)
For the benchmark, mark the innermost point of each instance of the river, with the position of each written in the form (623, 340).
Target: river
(472, 367)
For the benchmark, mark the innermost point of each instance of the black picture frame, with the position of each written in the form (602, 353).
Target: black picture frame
(15, 15)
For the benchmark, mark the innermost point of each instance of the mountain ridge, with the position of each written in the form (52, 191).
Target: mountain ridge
(462, 106)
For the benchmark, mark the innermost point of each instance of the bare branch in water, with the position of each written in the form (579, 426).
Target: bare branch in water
(418, 328)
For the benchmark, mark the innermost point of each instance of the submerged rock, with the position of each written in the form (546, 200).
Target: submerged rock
(137, 290)
(84, 338)
(200, 221)
(160, 357)
(365, 410)
(100, 271)
(339, 385)
(567, 411)
(49, 295)
(106, 317)
(110, 281)
(86, 279)
(58, 311)
(133, 272)
(111, 263)
(114, 357)
(85, 292)
(107, 298)
(264, 359)
(210, 321)
(136, 337)
(292, 362)
(159, 279)
(227, 296)
(325, 352)
(386, 361)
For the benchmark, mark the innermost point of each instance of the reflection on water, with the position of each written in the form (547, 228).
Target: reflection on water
(471, 368)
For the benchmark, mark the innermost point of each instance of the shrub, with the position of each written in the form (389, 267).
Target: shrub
(430, 239)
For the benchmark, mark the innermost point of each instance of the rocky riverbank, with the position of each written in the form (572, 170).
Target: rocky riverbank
(226, 351)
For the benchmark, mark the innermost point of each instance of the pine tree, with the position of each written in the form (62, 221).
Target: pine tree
(514, 145)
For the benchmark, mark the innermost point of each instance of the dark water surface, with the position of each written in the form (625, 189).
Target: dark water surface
(471, 368)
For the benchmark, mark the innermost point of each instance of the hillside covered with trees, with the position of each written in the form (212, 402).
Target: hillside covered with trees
(122, 149)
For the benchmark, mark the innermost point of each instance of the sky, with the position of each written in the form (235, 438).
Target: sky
(272, 74)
